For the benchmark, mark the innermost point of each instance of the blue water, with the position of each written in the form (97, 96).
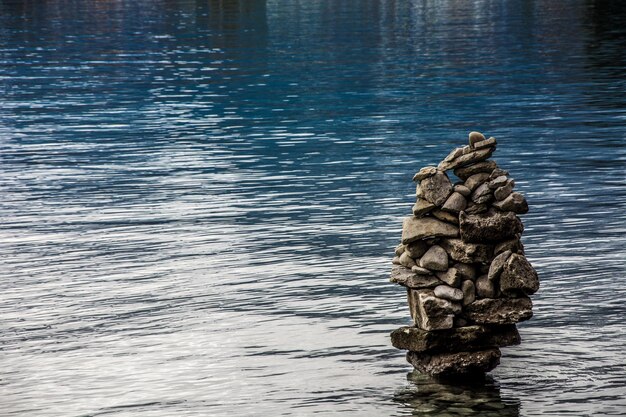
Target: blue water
(199, 201)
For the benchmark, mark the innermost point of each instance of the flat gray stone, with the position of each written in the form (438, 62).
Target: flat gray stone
(474, 181)
(448, 293)
(414, 228)
(407, 278)
(498, 172)
(468, 253)
(421, 207)
(515, 202)
(498, 182)
(421, 271)
(484, 287)
(465, 172)
(499, 311)
(518, 275)
(491, 142)
(503, 192)
(469, 292)
(462, 189)
(425, 173)
(467, 159)
(454, 340)
(451, 277)
(445, 216)
(435, 259)
(474, 208)
(481, 194)
(497, 265)
(514, 245)
(493, 226)
(455, 203)
(436, 188)
(430, 312)
(443, 365)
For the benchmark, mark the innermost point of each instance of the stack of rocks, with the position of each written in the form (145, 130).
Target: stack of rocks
(463, 265)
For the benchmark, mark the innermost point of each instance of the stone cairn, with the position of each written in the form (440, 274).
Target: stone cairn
(463, 265)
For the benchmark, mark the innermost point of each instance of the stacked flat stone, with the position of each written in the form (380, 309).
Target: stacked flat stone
(463, 265)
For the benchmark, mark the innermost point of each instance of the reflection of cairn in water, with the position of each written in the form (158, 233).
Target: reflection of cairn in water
(463, 265)
(481, 398)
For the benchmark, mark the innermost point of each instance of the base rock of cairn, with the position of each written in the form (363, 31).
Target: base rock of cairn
(462, 263)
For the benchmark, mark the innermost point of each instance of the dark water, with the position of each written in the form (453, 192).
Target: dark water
(199, 201)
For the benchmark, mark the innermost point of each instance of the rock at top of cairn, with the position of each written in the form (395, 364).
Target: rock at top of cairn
(463, 264)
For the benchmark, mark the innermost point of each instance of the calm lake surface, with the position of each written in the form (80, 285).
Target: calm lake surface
(200, 200)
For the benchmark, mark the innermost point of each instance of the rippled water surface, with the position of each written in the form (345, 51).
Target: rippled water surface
(200, 200)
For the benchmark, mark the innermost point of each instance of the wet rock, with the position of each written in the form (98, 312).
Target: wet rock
(435, 259)
(465, 172)
(425, 173)
(497, 265)
(485, 287)
(475, 137)
(455, 203)
(414, 228)
(518, 275)
(416, 249)
(469, 292)
(499, 311)
(420, 271)
(469, 337)
(451, 277)
(498, 182)
(468, 253)
(448, 293)
(467, 159)
(491, 142)
(454, 364)
(446, 216)
(407, 278)
(436, 188)
(462, 189)
(406, 260)
(503, 192)
(515, 202)
(492, 226)
(399, 249)
(421, 207)
(514, 245)
(466, 271)
(476, 180)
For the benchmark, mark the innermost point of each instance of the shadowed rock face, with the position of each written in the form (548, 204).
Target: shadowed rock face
(462, 262)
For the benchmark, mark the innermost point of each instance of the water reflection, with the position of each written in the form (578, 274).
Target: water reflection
(477, 397)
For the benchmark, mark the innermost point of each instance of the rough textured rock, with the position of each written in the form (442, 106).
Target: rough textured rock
(420, 271)
(425, 173)
(414, 228)
(476, 180)
(416, 249)
(491, 142)
(406, 260)
(466, 271)
(445, 216)
(455, 203)
(406, 277)
(454, 364)
(518, 275)
(515, 202)
(484, 287)
(399, 249)
(468, 253)
(430, 312)
(465, 172)
(498, 172)
(396, 260)
(503, 192)
(475, 137)
(435, 259)
(514, 245)
(462, 189)
(469, 292)
(492, 226)
(448, 293)
(436, 188)
(467, 159)
(421, 207)
(473, 208)
(451, 277)
(497, 265)
(498, 182)
(469, 337)
(499, 311)
(482, 194)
